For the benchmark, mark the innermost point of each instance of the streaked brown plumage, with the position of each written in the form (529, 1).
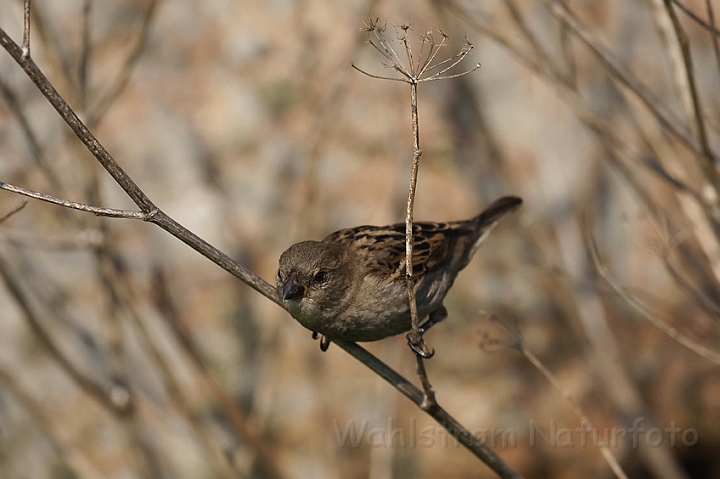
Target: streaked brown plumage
(351, 285)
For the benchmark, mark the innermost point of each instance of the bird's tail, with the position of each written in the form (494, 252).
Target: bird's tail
(486, 221)
(496, 210)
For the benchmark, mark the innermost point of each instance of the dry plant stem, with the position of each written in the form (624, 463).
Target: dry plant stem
(429, 398)
(708, 166)
(585, 421)
(450, 424)
(258, 284)
(26, 30)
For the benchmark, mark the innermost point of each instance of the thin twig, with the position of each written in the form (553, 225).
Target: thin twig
(26, 31)
(709, 27)
(10, 213)
(110, 212)
(450, 77)
(378, 76)
(36, 151)
(83, 63)
(715, 34)
(121, 81)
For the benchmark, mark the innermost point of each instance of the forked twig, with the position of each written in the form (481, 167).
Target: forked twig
(412, 73)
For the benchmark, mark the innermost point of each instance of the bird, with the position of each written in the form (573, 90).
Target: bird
(351, 286)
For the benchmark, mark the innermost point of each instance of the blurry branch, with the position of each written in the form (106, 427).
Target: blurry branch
(604, 353)
(636, 304)
(714, 33)
(326, 110)
(237, 420)
(621, 153)
(710, 27)
(543, 56)
(512, 338)
(78, 240)
(83, 64)
(114, 397)
(104, 102)
(709, 164)
(38, 414)
(156, 216)
(10, 213)
(177, 398)
(126, 298)
(700, 299)
(36, 151)
(621, 73)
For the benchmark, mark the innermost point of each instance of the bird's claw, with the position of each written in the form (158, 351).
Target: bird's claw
(324, 341)
(418, 346)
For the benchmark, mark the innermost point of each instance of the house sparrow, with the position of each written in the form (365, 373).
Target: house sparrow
(351, 286)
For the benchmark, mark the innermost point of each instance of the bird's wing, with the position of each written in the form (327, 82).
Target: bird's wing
(383, 247)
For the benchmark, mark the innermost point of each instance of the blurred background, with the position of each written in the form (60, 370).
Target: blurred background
(123, 353)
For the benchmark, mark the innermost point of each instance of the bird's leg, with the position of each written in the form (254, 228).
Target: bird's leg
(324, 341)
(435, 317)
(417, 343)
(418, 346)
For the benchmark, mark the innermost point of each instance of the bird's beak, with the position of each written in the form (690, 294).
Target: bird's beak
(292, 289)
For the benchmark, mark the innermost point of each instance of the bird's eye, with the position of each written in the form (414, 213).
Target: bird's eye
(279, 276)
(320, 277)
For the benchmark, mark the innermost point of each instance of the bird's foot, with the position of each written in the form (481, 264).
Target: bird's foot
(324, 341)
(418, 346)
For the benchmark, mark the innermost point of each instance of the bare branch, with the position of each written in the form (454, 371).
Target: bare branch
(709, 27)
(709, 163)
(107, 395)
(110, 212)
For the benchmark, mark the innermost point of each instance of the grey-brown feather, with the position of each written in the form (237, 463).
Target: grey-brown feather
(365, 295)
